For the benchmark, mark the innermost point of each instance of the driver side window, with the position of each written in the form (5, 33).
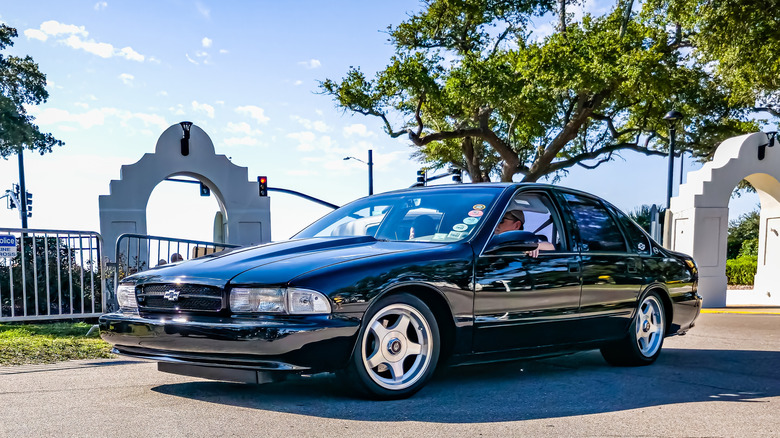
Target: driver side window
(534, 212)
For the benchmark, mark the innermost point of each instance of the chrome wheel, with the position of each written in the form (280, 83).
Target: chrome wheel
(397, 346)
(649, 326)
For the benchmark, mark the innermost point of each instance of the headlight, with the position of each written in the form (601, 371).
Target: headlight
(290, 301)
(125, 295)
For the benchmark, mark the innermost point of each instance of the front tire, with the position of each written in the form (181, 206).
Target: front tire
(645, 336)
(397, 350)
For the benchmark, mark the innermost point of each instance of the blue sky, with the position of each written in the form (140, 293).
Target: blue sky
(246, 72)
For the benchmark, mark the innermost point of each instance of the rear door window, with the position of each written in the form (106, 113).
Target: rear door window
(598, 231)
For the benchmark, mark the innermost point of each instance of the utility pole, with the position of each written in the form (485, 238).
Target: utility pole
(370, 172)
(22, 189)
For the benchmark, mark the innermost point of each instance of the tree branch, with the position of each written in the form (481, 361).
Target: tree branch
(559, 165)
(610, 124)
(417, 116)
(388, 127)
(770, 110)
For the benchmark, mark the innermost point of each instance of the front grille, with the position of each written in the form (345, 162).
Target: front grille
(180, 297)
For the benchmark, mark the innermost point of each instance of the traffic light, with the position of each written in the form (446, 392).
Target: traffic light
(29, 204)
(457, 175)
(262, 181)
(204, 190)
(11, 203)
(421, 178)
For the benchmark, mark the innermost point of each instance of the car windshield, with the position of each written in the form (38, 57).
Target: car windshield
(440, 215)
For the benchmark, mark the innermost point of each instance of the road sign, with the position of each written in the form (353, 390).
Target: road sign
(7, 246)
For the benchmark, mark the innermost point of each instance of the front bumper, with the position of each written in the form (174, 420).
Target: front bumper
(287, 344)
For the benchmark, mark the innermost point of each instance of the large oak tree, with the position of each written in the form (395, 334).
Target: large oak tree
(473, 87)
(21, 83)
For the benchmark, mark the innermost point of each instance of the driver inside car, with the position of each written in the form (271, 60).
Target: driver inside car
(514, 220)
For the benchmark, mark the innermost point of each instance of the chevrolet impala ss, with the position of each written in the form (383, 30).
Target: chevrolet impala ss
(387, 288)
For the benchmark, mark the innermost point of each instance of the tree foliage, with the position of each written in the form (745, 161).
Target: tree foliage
(474, 88)
(643, 216)
(21, 83)
(743, 235)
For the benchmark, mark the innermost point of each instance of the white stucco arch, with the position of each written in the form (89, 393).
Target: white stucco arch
(246, 215)
(700, 216)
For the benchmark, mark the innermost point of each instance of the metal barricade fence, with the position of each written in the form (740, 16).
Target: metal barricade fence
(53, 274)
(139, 252)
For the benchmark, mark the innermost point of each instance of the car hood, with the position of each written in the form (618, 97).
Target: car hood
(277, 263)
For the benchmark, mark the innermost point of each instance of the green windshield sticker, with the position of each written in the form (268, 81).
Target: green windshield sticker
(471, 220)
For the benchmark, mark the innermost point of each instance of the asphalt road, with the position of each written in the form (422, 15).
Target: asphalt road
(722, 379)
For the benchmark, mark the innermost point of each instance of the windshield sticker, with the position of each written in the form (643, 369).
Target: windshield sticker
(460, 227)
(457, 235)
(471, 220)
(439, 236)
(479, 207)
(475, 213)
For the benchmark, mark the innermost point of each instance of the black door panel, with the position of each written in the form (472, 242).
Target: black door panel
(523, 302)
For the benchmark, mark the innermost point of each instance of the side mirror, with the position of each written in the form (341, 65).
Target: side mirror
(511, 241)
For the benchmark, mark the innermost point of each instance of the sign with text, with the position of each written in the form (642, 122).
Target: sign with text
(7, 246)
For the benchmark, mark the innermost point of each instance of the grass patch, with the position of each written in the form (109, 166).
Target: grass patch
(49, 343)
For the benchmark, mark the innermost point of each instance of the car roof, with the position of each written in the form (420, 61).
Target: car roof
(500, 185)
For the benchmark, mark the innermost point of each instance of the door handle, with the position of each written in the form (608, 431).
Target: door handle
(632, 267)
(574, 268)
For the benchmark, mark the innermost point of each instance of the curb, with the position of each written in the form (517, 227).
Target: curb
(743, 312)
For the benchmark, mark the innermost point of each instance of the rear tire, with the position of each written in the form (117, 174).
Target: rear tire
(397, 350)
(645, 336)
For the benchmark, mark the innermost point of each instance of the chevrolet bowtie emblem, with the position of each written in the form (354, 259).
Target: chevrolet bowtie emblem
(171, 295)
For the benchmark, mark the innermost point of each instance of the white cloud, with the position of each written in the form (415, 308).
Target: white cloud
(162, 93)
(206, 42)
(151, 120)
(96, 117)
(177, 110)
(35, 34)
(357, 129)
(296, 83)
(223, 51)
(318, 125)
(126, 78)
(305, 139)
(190, 59)
(242, 128)
(311, 64)
(241, 141)
(81, 105)
(208, 109)
(103, 50)
(87, 119)
(301, 172)
(203, 10)
(131, 54)
(308, 142)
(254, 112)
(75, 37)
(100, 6)
(55, 28)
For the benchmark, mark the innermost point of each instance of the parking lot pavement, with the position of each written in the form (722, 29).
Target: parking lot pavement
(722, 379)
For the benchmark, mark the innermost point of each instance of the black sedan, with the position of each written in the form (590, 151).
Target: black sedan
(388, 287)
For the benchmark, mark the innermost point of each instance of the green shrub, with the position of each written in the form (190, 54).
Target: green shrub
(742, 269)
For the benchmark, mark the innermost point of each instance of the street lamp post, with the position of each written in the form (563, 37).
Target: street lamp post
(672, 117)
(370, 165)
